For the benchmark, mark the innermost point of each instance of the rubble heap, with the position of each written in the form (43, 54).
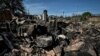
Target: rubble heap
(58, 39)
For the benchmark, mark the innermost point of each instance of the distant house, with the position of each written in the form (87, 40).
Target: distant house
(29, 16)
(94, 19)
(76, 18)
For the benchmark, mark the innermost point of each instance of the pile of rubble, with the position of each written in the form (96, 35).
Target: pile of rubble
(70, 39)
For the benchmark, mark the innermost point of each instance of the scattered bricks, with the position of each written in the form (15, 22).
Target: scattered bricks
(83, 54)
(74, 47)
(57, 50)
(50, 53)
(97, 46)
(68, 54)
(44, 41)
(26, 49)
(74, 41)
(92, 52)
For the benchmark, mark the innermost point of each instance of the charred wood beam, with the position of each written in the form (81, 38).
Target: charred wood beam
(7, 41)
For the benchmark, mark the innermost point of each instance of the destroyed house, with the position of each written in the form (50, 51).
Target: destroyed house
(94, 18)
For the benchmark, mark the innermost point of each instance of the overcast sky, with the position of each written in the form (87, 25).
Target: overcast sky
(57, 7)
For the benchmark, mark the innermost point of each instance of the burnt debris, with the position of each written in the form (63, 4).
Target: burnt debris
(27, 37)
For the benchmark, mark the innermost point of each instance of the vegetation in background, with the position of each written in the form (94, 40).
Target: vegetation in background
(85, 16)
(15, 6)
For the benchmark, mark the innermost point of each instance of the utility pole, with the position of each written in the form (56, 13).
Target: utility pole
(63, 13)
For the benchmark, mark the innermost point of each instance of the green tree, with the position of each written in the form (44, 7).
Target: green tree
(85, 16)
